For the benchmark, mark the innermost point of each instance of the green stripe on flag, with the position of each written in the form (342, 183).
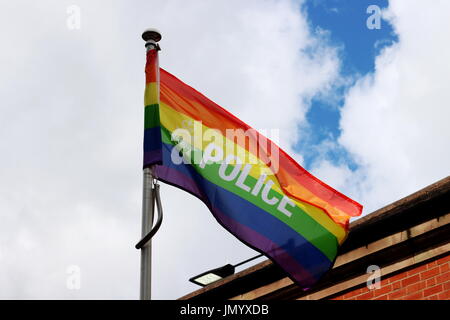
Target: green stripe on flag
(151, 115)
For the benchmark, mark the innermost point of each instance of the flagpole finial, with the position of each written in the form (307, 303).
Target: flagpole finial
(151, 35)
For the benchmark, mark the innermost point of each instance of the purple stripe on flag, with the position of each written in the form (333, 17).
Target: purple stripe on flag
(179, 180)
(152, 157)
(269, 248)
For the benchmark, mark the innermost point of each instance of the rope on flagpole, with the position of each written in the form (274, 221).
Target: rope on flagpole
(157, 225)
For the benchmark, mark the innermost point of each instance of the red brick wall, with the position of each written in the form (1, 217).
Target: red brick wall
(430, 281)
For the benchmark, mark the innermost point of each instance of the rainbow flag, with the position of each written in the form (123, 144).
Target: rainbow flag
(252, 187)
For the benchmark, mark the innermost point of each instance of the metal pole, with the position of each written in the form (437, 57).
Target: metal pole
(147, 222)
(248, 260)
(151, 37)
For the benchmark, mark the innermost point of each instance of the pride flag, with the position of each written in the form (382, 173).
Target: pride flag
(252, 187)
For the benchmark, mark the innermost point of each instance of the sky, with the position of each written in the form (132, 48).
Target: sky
(364, 109)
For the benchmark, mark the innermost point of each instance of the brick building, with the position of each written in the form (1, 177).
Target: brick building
(406, 243)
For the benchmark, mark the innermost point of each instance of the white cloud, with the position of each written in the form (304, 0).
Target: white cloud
(395, 121)
(71, 133)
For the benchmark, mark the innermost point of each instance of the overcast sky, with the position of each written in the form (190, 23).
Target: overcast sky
(365, 110)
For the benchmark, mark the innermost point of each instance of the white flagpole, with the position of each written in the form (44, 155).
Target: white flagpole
(151, 38)
(147, 222)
